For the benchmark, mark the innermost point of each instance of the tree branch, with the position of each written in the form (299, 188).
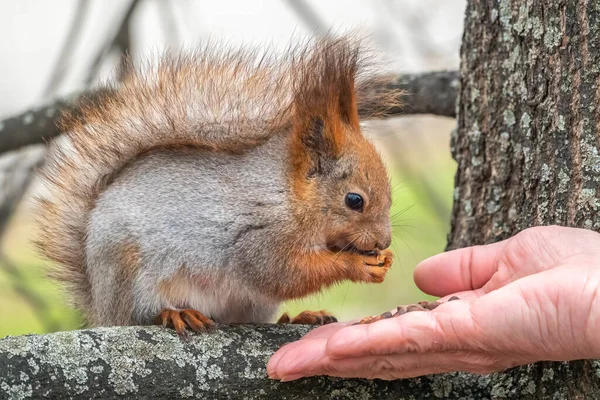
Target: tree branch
(39, 124)
(427, 93)
(33, 126)
(153, 362)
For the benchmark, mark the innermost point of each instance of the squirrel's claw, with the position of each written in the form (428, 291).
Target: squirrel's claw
(180, 320)
(308, 318)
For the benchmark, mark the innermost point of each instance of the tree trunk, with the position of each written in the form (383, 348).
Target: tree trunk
(527, 140)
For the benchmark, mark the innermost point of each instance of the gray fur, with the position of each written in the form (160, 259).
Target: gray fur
(208, 212)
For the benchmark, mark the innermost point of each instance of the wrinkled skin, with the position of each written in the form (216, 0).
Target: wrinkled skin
(533, 297)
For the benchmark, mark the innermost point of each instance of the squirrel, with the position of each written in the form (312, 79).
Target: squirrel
(212, 186)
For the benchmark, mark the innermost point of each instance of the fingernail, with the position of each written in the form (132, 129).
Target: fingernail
(292, 377)
(272, 375)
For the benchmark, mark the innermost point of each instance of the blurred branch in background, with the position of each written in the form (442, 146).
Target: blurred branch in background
(427, 93)
(119, 43)
(16, 172)
(310, 18)
(64, 60)
(38, 125)
(170, 23)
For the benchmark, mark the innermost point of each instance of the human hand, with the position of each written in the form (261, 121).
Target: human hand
(532, 297)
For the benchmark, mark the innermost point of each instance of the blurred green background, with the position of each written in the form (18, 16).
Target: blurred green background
(416, 150)
(73, 45)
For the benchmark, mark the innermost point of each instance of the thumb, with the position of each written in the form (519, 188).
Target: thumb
(458, 270)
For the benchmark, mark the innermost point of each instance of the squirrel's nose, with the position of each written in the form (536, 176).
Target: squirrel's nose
(385, 239)
(382, 245)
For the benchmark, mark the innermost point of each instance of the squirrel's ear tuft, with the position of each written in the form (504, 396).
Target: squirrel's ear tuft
(319, 147)
(324, 103)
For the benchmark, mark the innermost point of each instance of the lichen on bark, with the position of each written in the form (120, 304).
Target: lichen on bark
(153, 362)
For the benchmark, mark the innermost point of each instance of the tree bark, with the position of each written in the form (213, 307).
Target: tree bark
(527, 140)
(152, 362)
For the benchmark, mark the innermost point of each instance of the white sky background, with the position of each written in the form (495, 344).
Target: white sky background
(414, 35)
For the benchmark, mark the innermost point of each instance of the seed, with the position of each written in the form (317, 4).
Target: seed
(400, 310)
(414, 307)
(432, 305)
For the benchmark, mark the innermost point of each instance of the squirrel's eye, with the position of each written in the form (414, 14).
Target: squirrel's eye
(354, 201)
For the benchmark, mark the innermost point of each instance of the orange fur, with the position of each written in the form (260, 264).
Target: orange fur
(316, 270)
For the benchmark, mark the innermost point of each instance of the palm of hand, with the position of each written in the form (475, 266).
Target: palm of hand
(532, 297)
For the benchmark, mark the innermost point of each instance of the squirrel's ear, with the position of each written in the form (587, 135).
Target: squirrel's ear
(324, 103)
(321, 144)
(317, 143)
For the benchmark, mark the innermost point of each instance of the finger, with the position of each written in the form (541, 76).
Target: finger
(275, 358)
(440, 329)
(322, 332)
(296, 355)
(393, 366)
(458, 270)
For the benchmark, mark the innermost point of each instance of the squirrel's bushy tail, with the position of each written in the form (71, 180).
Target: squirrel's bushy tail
(216, 98)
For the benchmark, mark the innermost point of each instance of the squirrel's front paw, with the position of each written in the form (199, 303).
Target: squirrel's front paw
(180, 320)
(308, 318)
(378, 265)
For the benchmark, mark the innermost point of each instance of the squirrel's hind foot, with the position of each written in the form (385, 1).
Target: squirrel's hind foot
(180, 320)
(308, 318)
